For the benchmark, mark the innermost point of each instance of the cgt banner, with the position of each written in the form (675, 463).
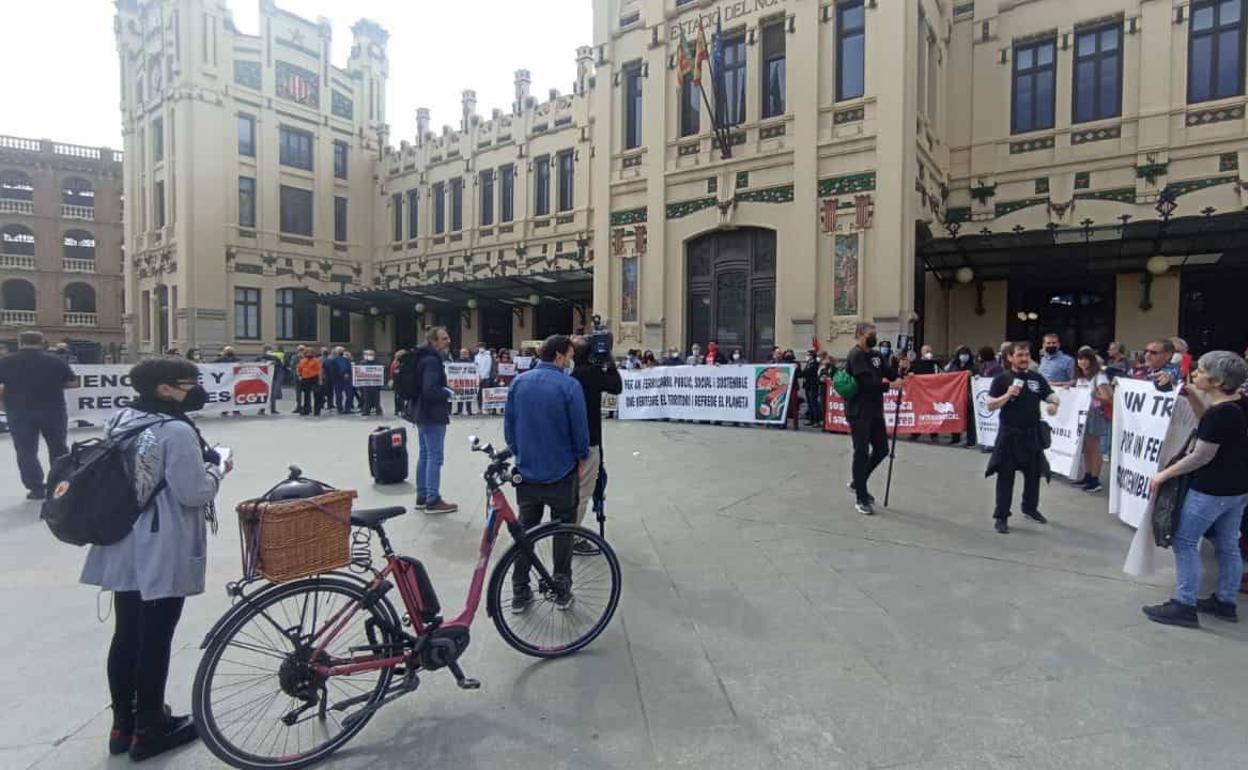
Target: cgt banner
(932, 403)
(1150, 426)
(104, 388)
(753, 393)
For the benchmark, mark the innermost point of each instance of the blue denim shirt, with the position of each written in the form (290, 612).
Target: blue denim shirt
(545, 424)
(1057, 368)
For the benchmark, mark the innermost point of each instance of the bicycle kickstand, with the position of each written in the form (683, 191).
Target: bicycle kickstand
(465, 683)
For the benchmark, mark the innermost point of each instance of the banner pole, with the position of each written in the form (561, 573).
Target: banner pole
(892, 452)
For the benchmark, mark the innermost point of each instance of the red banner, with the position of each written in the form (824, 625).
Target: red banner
(931, 403)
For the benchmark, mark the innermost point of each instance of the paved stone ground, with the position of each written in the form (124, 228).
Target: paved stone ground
(763, 622)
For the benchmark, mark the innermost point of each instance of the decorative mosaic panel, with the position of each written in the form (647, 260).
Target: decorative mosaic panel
(247, 73)
(340, 104)
(1096, 135)
(1009, 207)
(958, 214)
(631, 160)
(845, 275)
(1119, 195)
(688, 149)
(847, 185)
(781, 194)
(712, 185)
(743, 180)
(1031, 145)
(1215, 115)
(733, 140)
(685, 208)
(854, 115)
(1083, 180)
(628, 290)
(628, 216)
(1228, 161)
(297, 84)
(1192, 185)
(770, 132)
(1042, 186)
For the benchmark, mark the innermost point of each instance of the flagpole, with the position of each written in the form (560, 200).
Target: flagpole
(719, 130)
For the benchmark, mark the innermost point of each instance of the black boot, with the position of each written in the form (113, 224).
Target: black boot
(159, 732)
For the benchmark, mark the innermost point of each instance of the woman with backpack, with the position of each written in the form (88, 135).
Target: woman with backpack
(163, 558)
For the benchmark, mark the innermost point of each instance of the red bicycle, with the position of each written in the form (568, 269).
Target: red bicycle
(294, 671)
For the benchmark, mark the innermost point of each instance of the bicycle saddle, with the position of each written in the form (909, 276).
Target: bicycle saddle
(371, 517)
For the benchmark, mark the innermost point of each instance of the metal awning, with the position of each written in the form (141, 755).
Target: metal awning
(1117, 248)
(565, 286)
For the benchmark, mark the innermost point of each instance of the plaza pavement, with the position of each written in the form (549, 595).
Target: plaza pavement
(763, 623)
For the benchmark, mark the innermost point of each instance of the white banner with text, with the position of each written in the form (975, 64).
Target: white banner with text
(105, 388)
(750, 393)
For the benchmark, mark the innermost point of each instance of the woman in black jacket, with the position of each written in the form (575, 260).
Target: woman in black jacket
(964, 361)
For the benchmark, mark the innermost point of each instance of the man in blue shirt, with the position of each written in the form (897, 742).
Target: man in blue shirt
(1057, 367)
(545, 424)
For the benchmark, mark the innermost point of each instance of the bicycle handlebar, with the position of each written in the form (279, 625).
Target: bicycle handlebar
(498, 460)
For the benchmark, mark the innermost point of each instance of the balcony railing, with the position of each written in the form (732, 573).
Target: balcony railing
(78, 319)
(78, 265)
(15, 206)
(17, 317)
(78, 212)
(17, 261)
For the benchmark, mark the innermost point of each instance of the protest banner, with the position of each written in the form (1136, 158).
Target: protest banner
(462, 378)
(1150, 426)
(610, 404)
(506, 369)
(933, 403)
(754, 393)
(105, 388)
(493, 399)
(523, 363)
(1065, 454)
(368, 376)
(986, 420)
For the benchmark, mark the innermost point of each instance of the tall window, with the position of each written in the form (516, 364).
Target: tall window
(1033, 86)
(296, 315)
(247, 313)
(507, 193)
(541, 185)
(632, 107)
(159, 202)
(773, 69)
(567, 179)
(1215, 50)
(413, 212)
(487, 197)
(690, 106)
(295, 210)
(246, 201)
(439, 207)
(246, 135)
(1098, 74)
(851, 50)
(340, 160)
(339, 326)
(734, 81)
(457, 204)
(396, 210)
(295, 148)
(340, 218)
(158, 140)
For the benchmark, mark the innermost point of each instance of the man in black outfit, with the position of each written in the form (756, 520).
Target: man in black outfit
(865, 411)
(32, 385)
(1018, 393)
(596, 378)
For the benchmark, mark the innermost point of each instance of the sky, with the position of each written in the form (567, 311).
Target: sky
(69, 80)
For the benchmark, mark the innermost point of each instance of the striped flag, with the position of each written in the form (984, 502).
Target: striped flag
(700, 53)
(829, 215)
(684, 65)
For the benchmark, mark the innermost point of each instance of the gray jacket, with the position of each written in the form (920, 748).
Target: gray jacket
(171, 561)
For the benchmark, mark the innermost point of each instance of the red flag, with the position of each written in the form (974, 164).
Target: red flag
(684, 66)
(701, 53)
(639, 238)
(862, 210)
(617, 240)
(829, 215)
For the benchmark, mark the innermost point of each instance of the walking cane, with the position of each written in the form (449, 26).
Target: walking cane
(892, 452)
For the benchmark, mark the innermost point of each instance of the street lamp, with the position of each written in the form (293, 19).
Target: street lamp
(472, 303)
(535, 300)
(419, 307)
(964, 275)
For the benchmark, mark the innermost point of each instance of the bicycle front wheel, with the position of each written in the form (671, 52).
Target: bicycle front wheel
(563, 614)
(257, 702)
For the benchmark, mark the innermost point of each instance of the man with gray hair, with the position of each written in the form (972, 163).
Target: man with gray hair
(32, 386)
(427, 402)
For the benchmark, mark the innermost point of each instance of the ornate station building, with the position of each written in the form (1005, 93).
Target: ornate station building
(956, 172)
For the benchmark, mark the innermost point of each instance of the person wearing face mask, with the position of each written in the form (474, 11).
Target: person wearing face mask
(1057, 367)
(875, 374)
(546, 424)
(595, 378)
(279, 375)
(926, 363)
(370, 395)
(163, 558)
(735, 357)
(963, 361)
(813, 385)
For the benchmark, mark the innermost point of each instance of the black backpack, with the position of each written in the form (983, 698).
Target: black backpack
(91, 498)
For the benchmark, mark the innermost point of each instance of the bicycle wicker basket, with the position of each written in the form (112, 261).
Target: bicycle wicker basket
(291, 539)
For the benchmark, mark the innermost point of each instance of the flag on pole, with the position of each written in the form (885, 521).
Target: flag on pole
(700, 54)
(684, 66)
(829, 215)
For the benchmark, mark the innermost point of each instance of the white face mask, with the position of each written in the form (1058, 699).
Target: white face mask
(736, 356)
(928, 356)
(1176, 359)
(368, 358)
(963, 357)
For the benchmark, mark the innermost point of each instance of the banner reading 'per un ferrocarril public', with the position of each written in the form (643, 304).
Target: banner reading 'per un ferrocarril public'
(751, 393)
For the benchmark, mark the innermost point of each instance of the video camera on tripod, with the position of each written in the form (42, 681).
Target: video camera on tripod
(601, 343)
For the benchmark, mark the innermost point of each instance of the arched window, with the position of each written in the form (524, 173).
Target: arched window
(77, 191)
(79, 244)
(17, 294)
(79, 298)
(16, 185)
(16, 239)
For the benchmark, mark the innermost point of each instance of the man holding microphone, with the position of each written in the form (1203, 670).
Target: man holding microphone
(1018, 393)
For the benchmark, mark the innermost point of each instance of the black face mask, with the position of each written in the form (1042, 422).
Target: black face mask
(196, 399)
(1051, 350)
(872, 340)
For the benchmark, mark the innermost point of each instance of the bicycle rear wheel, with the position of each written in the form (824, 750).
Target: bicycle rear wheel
(549, 627)
(254, 679)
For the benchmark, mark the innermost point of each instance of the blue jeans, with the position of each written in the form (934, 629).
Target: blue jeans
(1200, 513)
(343, 395)
(429, 463)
